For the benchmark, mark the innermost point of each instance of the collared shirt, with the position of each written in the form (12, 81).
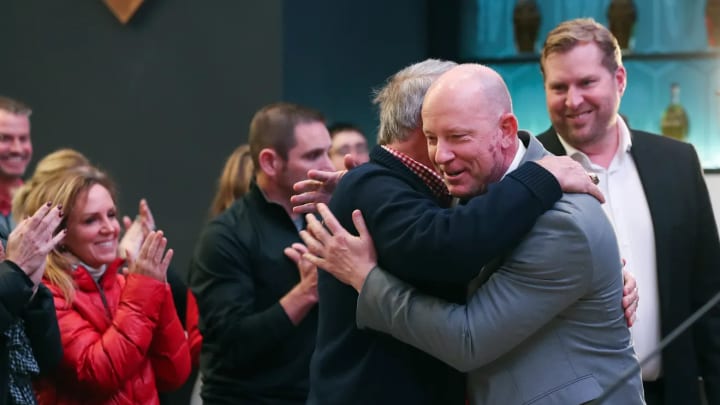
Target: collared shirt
(627, 208)
(519, 155)
(429, 176)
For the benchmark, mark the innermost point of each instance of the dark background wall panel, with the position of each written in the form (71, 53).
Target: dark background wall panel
(159, 103)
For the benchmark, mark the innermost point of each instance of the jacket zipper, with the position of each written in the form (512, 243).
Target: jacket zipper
(104, 300)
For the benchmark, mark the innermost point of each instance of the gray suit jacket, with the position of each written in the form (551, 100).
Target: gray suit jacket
(546, 328)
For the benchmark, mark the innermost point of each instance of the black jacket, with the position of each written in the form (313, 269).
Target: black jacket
(251, 351)
(38, 315)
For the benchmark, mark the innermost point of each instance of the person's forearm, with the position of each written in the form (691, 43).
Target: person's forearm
(297, 303)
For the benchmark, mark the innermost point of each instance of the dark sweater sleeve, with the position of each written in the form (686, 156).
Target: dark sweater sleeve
(417, 240)
(42, 329)
(222, 281)
(15, 292)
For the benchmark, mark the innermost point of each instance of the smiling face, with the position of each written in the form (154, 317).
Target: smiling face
(582, 95)
(93, 227)
(15, 145)
(471, 136)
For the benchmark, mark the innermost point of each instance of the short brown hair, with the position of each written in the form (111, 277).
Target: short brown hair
(569, 34)
(14, 106)
(273, 126)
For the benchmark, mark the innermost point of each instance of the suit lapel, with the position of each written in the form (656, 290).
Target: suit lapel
(551, 142)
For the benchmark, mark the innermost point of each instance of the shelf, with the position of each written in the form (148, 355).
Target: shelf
(627, 56)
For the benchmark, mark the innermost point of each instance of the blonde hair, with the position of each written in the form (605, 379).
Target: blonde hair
(234, 181)
(571, 33)
(66, 188)
(49, 166)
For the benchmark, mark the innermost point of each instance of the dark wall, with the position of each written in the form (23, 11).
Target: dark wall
(159, 103)
(336, 52)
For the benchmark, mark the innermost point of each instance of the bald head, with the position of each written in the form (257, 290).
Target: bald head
(477, 86)
(470, 129)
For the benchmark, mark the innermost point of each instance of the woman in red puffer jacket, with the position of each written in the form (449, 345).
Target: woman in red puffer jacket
(121, 336)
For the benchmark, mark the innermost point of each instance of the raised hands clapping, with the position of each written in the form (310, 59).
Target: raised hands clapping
(152, 260)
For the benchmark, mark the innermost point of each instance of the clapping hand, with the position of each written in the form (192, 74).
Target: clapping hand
(152, 260)
(31, 241)
(136, 231)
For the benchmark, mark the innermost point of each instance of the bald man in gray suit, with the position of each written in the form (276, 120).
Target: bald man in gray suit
(545, 326)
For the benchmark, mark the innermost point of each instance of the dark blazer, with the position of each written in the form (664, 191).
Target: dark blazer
(688, 259)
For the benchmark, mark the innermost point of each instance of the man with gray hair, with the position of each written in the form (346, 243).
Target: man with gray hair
(405, 204)
(549, 303)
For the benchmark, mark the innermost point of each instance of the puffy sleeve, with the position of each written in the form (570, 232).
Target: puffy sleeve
(104, 361)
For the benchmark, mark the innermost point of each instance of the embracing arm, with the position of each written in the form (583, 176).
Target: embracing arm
(521, 297)
(411, 231)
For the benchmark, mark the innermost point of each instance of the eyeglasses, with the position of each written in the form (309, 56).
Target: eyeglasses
(343, 150)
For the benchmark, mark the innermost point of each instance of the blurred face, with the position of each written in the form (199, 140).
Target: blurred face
(348, 142)
(466, 145)
(15, 146)
(312, 143)
(93, 227)
(582, 96)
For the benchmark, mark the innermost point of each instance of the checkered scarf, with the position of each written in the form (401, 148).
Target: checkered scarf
(22, 365)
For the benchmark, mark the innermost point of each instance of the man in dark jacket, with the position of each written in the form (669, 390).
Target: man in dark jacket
(258, 313)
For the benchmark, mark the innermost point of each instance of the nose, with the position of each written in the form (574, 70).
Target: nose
(16, 145)
(106, 226)
(443, 153)
(573, 98)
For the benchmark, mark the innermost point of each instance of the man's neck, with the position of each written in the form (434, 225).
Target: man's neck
(275, 194)
(603, 150)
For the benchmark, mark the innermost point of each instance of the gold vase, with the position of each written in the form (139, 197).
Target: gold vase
(622, 16)
(526, 25)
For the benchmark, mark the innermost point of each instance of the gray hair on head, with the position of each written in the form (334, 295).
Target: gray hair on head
(400, 100)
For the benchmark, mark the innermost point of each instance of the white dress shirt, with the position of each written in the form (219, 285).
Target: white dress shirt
(627, 208)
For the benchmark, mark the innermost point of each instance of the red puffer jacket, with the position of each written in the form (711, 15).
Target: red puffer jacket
(121, 342)
(192, 317)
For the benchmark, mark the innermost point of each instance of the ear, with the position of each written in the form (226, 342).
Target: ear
(509, 128)
(621, 79)
(270, 162)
